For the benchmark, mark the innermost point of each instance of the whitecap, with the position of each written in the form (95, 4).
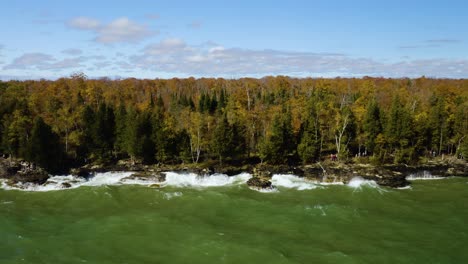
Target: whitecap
(358, 182)
(292, 182)
(264, 190)
(61, 182)
(169, 196)
(408, 187)
(195, 180)
(424, 175)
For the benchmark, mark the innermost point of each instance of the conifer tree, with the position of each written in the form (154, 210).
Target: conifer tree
(372, 125)
(44, 147)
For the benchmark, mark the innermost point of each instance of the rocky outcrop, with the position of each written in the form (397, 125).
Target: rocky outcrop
(147, 176)
(259, 183)
(261, 178)
(22, 171)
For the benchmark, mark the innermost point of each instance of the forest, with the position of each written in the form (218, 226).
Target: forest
(75, 121)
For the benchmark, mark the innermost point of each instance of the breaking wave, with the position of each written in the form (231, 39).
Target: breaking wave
(424, 175)
(292, 182)
(195, 180)
(359, 182)
(123, 178)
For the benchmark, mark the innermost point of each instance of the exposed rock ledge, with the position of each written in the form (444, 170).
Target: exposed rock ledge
(21, 171)
(387, 175)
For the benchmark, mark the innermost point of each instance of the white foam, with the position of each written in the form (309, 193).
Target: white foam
(271, 189)
(69, 182)
(194, 180)
(408, 187)
(171, 195)
(425, 175)
(292, 182)
(358, 182)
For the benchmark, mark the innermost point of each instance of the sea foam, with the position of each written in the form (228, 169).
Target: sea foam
(195, 180)
(424, 175)
(292, 181)
(358, 182)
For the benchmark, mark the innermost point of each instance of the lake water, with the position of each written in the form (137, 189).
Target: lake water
(220, 220)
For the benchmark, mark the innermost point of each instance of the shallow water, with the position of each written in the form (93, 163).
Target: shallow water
(223, 221)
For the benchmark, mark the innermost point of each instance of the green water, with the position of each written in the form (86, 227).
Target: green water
(332, 224)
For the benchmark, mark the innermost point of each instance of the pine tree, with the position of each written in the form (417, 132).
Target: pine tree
(372, 125)
(280, 145)
(223, 143)
(438, 123)
(44, 147)
(309, 146)
(399, 132)
(120, 127)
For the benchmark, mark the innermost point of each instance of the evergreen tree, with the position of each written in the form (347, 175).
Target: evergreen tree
(120, 127)
(399, 132)
(87, 121)
(44, 147)
(280, 145)
(309, 146)
(223, 140)
(372, 125)
(438, 123)
(102, 132)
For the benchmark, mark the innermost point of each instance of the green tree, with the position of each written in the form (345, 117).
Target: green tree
(399, 132)
(309, 145)
(44, 147)
(372, 125)
(279, 146)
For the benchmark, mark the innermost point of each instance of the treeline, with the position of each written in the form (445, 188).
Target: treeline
(75, 121)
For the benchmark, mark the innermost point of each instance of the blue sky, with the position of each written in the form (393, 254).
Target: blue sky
(231, 39)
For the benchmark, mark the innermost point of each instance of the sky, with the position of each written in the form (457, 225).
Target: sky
(232, 39)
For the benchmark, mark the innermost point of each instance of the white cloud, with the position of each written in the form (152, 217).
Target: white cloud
(63, 64)
(210, 59)
(26, 60)
(166, 46)
(72, 51)
(119, 30)
(41, 61)
(84, 23)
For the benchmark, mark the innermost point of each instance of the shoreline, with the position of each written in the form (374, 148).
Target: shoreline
(394, 176)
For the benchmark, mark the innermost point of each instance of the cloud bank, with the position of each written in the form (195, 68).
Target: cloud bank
(120, 30)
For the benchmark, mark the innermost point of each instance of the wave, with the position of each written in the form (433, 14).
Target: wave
(70, 182)
(424, 175)
(195, 180)
(122, 178)
(359, 182)
(292, 182)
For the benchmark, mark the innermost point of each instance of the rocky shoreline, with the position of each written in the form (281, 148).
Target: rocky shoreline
(393, 176)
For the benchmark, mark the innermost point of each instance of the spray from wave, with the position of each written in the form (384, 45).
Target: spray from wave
(195, 180)
(123, 178)
(424, 175)
(292, 182)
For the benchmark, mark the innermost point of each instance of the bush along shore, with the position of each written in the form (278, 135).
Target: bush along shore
(395, 176)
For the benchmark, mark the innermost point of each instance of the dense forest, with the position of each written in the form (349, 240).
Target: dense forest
(76, 121)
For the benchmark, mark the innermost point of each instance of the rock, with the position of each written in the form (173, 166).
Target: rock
(155, 185)
(261, 173)
(66, 185)
(37, 176)
(80, 172)
(147, 176)
(260, 183)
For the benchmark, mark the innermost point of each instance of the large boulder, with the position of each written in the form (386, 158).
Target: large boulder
(259, 183)
(22, 171)
(147, 176)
